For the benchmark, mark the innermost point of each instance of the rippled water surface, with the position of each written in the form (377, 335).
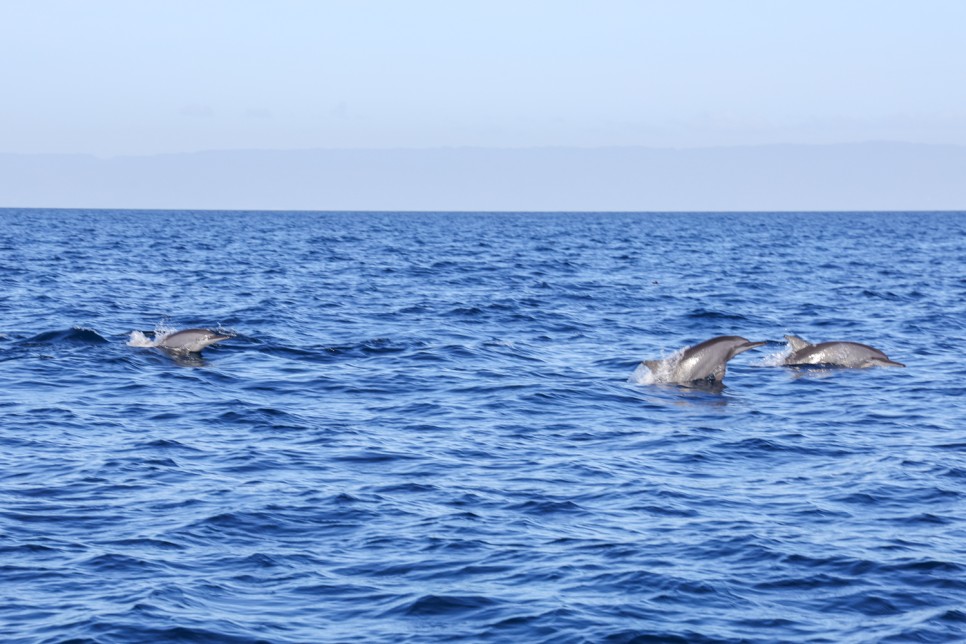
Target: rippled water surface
(423, 429)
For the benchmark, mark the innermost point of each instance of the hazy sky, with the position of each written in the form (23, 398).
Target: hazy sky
(117, 77)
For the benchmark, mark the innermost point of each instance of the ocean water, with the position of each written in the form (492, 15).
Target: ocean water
(425, 428)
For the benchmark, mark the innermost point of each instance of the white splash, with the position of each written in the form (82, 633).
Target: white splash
(776, 359)
(643, 375)
(139, 339)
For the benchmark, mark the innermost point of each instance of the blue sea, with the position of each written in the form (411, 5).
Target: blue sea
(425, 428)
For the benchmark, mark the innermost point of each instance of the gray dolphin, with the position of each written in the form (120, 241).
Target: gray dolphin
(191, 340)
(702, 362)
(839, 354)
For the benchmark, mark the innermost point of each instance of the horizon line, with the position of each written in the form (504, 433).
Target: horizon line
(505, 148)
(497, 212)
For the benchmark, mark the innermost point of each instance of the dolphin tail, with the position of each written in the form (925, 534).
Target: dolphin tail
(796, 343)
(653, 365)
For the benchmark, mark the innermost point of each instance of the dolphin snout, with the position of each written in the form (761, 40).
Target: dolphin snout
(887, 363)
(745, 346)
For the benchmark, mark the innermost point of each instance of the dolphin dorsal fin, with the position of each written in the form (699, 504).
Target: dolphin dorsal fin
(796, 343)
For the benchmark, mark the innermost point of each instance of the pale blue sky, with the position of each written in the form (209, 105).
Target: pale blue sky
(118, 77)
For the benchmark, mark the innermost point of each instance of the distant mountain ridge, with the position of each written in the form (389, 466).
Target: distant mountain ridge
(849, 176)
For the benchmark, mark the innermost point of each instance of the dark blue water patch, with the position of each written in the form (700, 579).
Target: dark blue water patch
(422, 429)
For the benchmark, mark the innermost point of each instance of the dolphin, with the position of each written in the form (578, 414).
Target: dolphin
(703, 362)
(839, 354)
(190, 340)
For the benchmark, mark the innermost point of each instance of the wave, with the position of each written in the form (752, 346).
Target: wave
(438, 605)
(709, 314)
(386, 457)
(73, 335)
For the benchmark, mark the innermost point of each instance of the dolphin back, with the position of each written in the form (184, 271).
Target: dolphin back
(840, 354)
(701, 362)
